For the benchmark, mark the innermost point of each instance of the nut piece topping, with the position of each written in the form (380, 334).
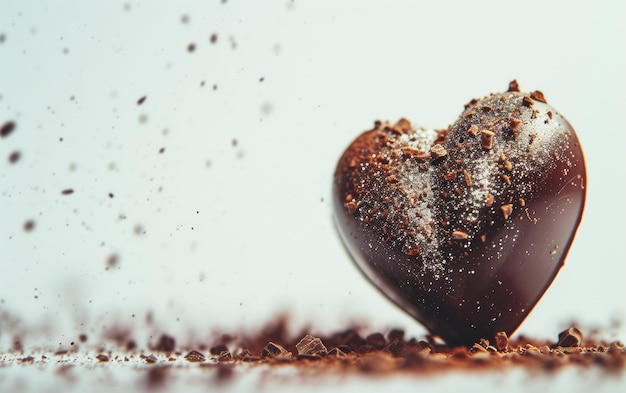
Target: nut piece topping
(437, 151)
(538, 96)
(486, 139)
(507, 210)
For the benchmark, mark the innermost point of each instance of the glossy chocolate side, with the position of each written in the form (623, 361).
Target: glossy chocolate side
(466, 236)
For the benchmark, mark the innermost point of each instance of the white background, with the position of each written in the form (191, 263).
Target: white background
(232, 234)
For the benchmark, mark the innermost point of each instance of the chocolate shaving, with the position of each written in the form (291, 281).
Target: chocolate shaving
(572, 337)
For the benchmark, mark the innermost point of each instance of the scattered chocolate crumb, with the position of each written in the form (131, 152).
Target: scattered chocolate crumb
(7, 128)
(261, 79)
(166, 343)
(213, 38)
(184, 19)
(141, 100)
(191, 47)
(507, 210)
(571, 337)
(82, 338)
(150, 359)
(513, 86)
(514, 123)
(112, 261)
(14, 157)
(218, 349)
(67, 191)
(29, 225)
(111, 195)
(502, 341)
(195, 356)
(538, 96)
(276, 352)
(3, 38)
(486, 139)
(161, 150)
(156, 375)
(376, 340)
(102, 358)
(310, 347)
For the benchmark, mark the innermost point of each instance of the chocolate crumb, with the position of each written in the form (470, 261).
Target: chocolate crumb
(538, 96)
(513, 86)
(514, 123)
(507, 210)
(502, 341)
(213, 38)
(14, 157)
(276, 352)
(468, 178)
(166, 343)
(141, 100)
(527, 101)
(7, 128)
(486, 139)
(473, 130)
(102, 358)
(191, 47)
(67, 191)
(150, 359)
(311, 348)
(571, 337)
(29, 225)
(195, 356)
(437, 151)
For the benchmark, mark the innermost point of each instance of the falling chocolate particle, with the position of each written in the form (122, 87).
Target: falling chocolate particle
(527, 101)
(195, 356)
(102, 358)
(111, 195)
(184, 19)
(3, 38)
(112, 261)
(67, 191)
(311, 348)
(213, 38)
(7, 128)
(261, 79)
(571, 337)
(486, 139)
(141, 100)
(161, 150)
(82, 338)
(513, 86)
(191, 47)
(156, 375)
(14, 157)
(29, 225)
(234, 142)
(538, 96)
(506, 210)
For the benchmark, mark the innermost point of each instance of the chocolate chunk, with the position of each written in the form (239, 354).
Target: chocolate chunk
(571, 337)
(311, 348)
(67, 191)
(538, 96)
(502, 341)
(376, 340)
(276, 352)
(166, 343)
(486, 139)
(195, 356)
(102, 358)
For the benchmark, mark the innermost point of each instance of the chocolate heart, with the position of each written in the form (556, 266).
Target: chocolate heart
(464, 228)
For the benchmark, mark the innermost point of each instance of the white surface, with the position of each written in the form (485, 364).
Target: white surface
(236, 234)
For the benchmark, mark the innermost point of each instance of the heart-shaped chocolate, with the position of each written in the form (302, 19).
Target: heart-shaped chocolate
(464, 228)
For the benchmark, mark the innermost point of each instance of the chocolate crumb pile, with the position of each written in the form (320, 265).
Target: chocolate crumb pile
(346, 352)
